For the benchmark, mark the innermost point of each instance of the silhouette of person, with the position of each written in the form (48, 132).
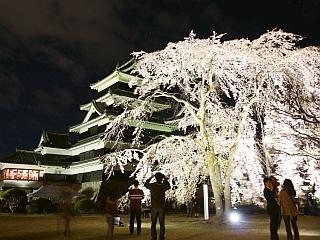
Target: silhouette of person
(65, 208)
(135, 197)
(273, 208)
(289, 209)
(275, 184)
(190, 205)
(197, 206)
(111, 212)
(158, 190)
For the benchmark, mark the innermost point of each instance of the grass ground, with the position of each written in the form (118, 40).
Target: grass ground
(178, 227)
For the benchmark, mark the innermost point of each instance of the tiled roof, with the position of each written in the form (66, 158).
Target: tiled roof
(35, 158)
(128, 66)
(57, 140)
(24, 157)
(100, 106)
(87, 140)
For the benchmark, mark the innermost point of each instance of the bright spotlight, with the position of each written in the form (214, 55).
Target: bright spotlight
(234, 217)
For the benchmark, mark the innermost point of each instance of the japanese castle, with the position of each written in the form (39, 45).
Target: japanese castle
(57, 159)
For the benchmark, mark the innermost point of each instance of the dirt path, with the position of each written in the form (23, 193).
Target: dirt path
(178, 227)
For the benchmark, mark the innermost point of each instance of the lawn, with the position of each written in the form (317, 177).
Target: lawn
(178, 227)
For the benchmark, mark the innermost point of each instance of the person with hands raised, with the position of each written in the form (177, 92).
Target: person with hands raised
(158, 190)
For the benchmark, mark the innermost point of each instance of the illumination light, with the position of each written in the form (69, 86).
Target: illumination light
(234, 217)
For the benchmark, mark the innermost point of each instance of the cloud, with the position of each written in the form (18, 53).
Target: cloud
(51, 50)
(53, 101)
(90, 25)
(9, 91)
(64, 58)
(68, 20)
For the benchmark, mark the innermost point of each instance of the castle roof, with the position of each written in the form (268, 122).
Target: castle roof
(55, 140)
(24, 157)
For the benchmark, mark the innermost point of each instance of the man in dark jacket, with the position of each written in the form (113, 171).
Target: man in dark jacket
(135, 197)
(273, 207)
(157, 190)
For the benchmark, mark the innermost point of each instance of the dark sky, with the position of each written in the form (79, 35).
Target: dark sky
(51, 50)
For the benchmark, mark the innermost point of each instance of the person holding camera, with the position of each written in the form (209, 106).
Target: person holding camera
(157, 190)
(273, 208)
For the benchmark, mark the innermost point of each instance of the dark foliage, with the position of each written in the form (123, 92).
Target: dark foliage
(84, 205)
(40, 205)
(15, 199)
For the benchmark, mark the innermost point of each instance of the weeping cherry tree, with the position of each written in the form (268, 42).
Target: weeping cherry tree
(219, 87)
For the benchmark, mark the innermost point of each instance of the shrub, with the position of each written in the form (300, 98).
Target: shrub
(15, 199)
(44, 205)
(40, 205)
(87, 192)
(84, 205)
(32, 207)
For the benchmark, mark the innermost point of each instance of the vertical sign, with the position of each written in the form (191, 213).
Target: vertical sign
(205, 202)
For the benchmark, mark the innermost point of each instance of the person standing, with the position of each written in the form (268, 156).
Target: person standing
(158, 190)
(135, 197)
(275, 184)
(111, 212)
(289, 209)
(66, 210)
(190, 205)
(196, 206)
(273, 208)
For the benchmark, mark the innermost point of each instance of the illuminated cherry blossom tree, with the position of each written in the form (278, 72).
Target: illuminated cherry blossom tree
(177, 157)
(220, 88)
(292, 124)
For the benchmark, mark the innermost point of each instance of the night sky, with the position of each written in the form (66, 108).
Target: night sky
(51, 50)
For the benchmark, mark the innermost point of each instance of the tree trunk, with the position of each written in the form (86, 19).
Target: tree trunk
(227, 178)
(216, 183)
(227, 195)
